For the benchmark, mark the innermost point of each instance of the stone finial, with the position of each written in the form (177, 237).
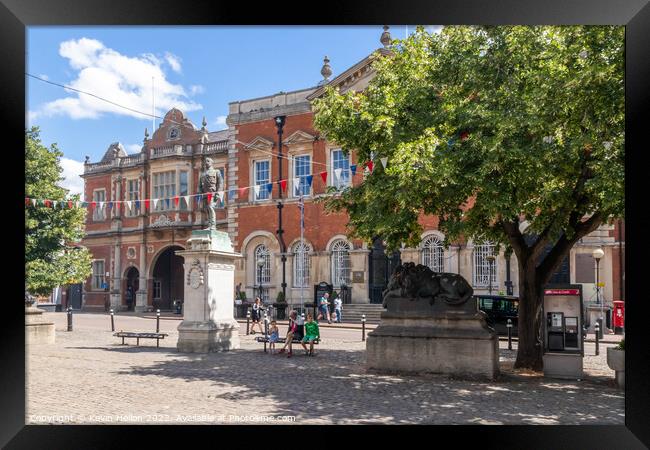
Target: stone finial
(87, 161)
(146, 134)
(204, 123)
(385, 37)
(326, 70)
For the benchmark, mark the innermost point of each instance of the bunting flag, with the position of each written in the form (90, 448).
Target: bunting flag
(269, 187)
(337, 173)
(310, 178)
(198, 200)
(220, 194)
(242, 192)
(296, 185)
(146, 204)
(353, 169)
(167, 201)
(128, 204)
(384, 161)
(451, 141)
(110, 205)
(177, 199)
(155, 202)
(323, 175)
(54, 203)
(283, 185)
(34, 202)
(370, 165)
(256, 190)
(231, 194)
(137, 204)
(464, 135)
(26, 201)
(209, 194)
(187, 201)
(70, 202)
(101, 205)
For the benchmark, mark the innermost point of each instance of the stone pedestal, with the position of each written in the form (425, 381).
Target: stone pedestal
(439, 333)
(37, 329)
(209, 324)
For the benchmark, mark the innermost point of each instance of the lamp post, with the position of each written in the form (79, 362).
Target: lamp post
(279, 123)
(598, 254)
(491, 259)
(260, 265)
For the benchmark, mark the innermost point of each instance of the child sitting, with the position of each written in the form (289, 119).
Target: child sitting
(311, 334)
(274, 333)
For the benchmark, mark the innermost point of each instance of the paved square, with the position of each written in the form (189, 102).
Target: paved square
(88, 377)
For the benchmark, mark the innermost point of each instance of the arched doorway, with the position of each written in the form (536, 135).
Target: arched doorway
(167, 279)
(132, 277)
(380, 267)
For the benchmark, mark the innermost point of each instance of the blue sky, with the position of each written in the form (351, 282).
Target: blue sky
(198, 69)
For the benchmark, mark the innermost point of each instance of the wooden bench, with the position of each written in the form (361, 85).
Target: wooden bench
(138, 336)
(282, 340)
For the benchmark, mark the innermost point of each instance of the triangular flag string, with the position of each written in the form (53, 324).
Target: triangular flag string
(384, 161)
(353, 169)
(323, 175)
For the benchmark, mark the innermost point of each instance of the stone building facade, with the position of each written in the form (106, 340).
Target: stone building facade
(136, 249)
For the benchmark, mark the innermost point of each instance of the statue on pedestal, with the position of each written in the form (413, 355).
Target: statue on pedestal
(210, 182)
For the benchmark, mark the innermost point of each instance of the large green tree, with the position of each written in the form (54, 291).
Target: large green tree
(52, 256)
(511, 134)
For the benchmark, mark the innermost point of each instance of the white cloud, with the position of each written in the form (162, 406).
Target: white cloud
(220, 123)
(121, 79)
(196, 89)
(71, 171)
(133, 148)
(173, 61)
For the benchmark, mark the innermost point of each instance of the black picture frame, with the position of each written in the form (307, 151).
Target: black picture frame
(15, 15)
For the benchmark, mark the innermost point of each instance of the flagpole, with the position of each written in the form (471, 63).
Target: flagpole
(302, 247)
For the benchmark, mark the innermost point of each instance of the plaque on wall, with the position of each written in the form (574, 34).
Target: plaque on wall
(357, 276)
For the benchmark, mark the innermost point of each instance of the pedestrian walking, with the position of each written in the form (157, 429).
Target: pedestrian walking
(256, 315)
(311, 334)
(323, 308)
(338, 307)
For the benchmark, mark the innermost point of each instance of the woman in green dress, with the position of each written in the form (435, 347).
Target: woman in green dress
(311, 334)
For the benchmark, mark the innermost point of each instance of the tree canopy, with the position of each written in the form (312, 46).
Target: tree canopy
(486, 126)
(52, 257)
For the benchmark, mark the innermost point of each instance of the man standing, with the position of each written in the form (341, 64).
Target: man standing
(338, 306)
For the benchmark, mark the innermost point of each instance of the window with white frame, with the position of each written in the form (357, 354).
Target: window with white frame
(183, 188)
(133, 194)
(301, 168)
(262, 177)
(164, 188)
(98, 274)
(99, 213)
(484, 271)
(301, 264)
(340, 174)
(433, 253)
(263, 272)
(341, 263)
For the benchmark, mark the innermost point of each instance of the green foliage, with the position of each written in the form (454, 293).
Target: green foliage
(541, 112)
(280, 298)
(621, 345)
(51, 256)
(242, 296)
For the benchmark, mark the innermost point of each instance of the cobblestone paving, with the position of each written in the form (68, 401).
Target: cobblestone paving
(87, 377)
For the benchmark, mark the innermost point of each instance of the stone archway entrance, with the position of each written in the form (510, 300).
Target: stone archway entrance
(132, 277)
(167, 279)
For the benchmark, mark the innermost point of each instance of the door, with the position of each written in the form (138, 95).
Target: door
(74, 296)
(381, 267)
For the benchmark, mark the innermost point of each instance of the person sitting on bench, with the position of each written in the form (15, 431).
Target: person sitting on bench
(311, 334)
(294, 330)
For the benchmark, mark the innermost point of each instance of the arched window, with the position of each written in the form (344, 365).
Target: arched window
(340, 263)
(433, 254)
(263, 273)
(485, 272)
(301, 264)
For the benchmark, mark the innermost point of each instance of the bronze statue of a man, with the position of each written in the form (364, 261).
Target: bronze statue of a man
(210, 181)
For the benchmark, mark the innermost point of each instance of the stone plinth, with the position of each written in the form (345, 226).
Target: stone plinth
(37, 329)
(460, 345)
(209, 324)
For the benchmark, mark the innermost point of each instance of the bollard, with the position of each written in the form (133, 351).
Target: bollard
(363, 327)
(509, 325)
(248, 321)
(266, 324)
(157, 321)
(597, 330)
(112, 321)
(69, 318)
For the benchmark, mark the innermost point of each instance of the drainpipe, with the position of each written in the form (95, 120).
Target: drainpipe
(620, 260)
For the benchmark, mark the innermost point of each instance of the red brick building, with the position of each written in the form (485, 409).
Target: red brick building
(136, 248)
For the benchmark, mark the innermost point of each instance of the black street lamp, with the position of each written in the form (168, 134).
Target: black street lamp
(491, 259)
(260, 265)
(279, 123)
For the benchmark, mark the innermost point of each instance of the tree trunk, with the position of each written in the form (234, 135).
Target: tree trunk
(529, 351)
